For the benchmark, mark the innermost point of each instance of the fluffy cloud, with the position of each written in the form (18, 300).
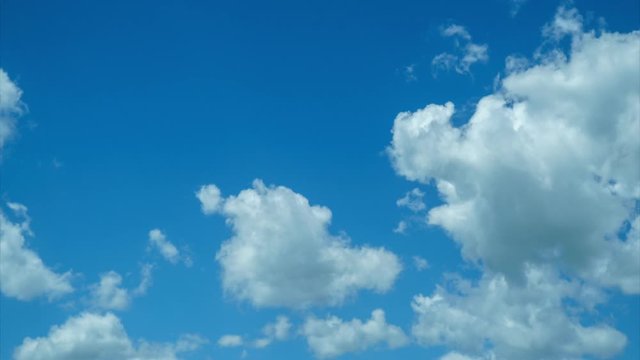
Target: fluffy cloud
(546, 170)
(108, 295)
(100, 337)
(23, 275)
(333, 337)
(495, 319)
(210, 199)
(469, 52)
(10, 107)
(282, 254)
(158, 240)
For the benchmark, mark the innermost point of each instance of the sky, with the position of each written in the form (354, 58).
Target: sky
(453, 180)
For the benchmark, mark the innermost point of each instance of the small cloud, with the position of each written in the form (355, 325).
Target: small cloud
(456, 30)
(420, 263)
(410, 73)
(158, 240)
(401, 228)
(210, 199)
(412, 200)
(468, 52)
(230, 341)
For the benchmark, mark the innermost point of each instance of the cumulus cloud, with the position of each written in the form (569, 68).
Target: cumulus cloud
(109, 295)
(468, 52)
(10, 107)
(210, 199)
(495, 319)
(23, 275)
(158, 240)
(546, 170)
(333, 337)
(100, 337)
(282, 253)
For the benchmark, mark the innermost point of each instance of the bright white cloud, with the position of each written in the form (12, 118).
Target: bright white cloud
(412, 200)
(468, 52)
(230, 341)
(23, 275)
(282, 254)
(109, 295)
(210, 199)
(546, 170)
(333, 337)
(100, 337)
(158, 240)
(10, 107)
(496, 318)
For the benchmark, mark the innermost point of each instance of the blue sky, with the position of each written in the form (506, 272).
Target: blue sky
(119, 112)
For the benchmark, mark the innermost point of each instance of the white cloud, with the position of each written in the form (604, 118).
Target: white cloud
(567, 22)
(496, 318)
(333, 337)
(275, 331)
(278, 330)
(99, 337)
(546, 170)
(401, 228)
(109, 295)
(230, 341)
(23, 275)
(282, 254)
(10, 107)
(456, 30)
(158, 240)
(420, 263)
(469, 52)
(413, 200)
(210, 199)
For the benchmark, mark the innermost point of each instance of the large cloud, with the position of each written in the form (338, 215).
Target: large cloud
(10, 107)
(91, 336)
(23, 275)
(495, 319)
(333, 337)
(546, 170)
(282, 254)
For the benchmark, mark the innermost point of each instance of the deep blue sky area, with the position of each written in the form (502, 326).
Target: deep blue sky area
(133, 105)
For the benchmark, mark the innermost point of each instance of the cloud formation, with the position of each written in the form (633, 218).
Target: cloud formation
(23, 275)
(495, 319)
(100, 337)
(11, 107)
(282, 254)
(332, 337)
(546, 169)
